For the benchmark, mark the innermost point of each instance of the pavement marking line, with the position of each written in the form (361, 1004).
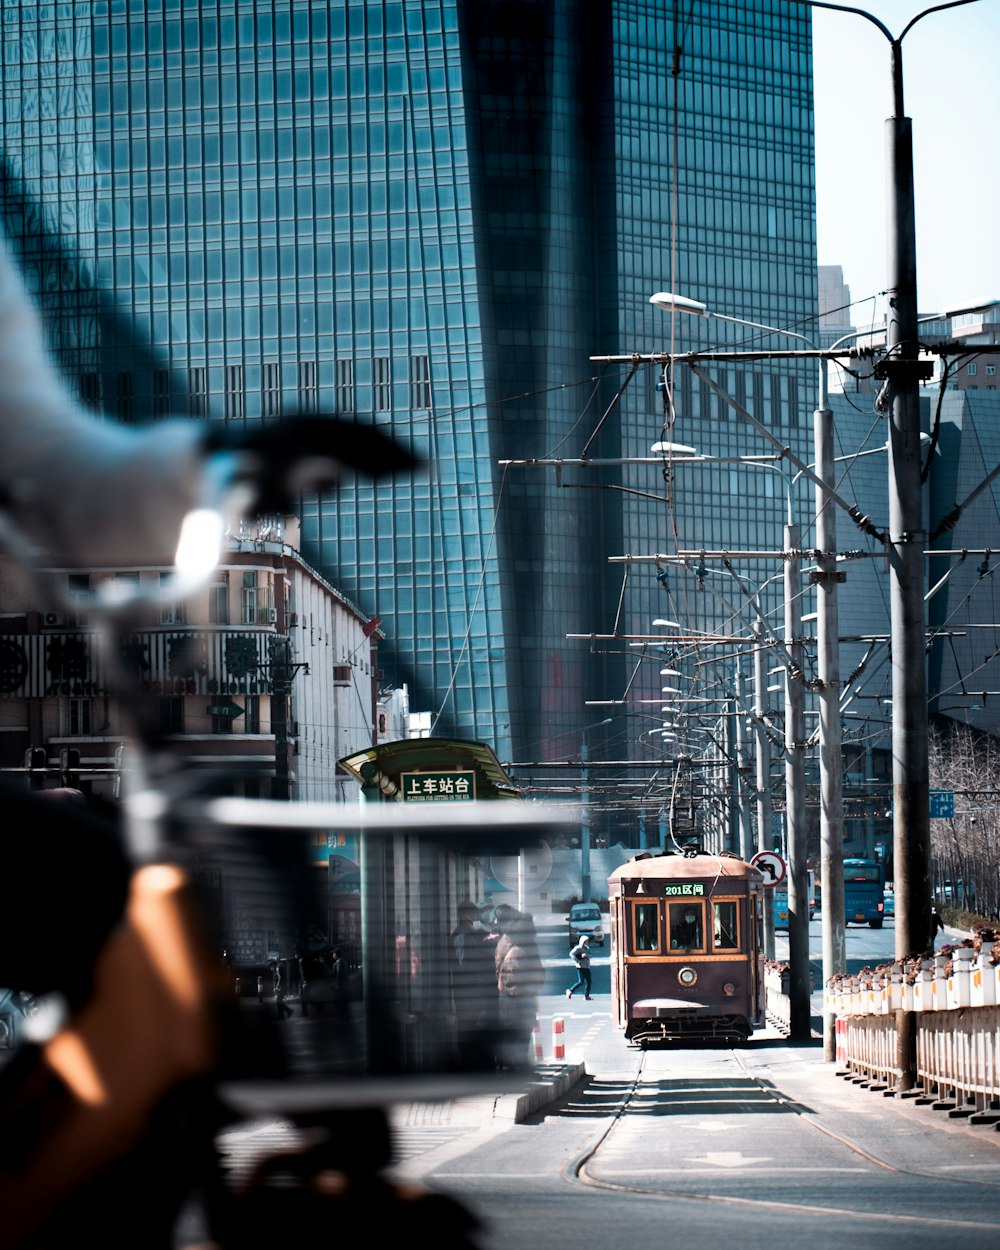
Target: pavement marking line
(749, 1171)
(428, 1161)
(673, 1195)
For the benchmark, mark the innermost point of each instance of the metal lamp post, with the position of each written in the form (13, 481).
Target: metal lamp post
(826, 576)
(585, 887)
(902, 371)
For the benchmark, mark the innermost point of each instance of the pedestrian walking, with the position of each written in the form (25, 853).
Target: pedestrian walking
(340, 977)
(937, 924)
(580, 955)
(280, 988)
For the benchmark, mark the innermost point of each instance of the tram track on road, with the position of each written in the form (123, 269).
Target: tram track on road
(585, 1168)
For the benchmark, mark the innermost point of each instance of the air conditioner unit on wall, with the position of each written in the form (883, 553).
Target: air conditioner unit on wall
(272, 615)
(53, 620)
(293, 618)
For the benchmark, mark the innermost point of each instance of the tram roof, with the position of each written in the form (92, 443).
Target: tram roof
(685, 867)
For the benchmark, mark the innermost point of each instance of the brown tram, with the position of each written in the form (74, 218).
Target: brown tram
(687, 958)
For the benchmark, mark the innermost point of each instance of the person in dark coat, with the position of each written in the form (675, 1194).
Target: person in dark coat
(280, 981)
(340, 980)
(474, 988)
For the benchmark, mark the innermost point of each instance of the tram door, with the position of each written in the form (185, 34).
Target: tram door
(619, 945)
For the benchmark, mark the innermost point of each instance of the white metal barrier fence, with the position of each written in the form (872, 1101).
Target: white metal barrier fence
(956, 998)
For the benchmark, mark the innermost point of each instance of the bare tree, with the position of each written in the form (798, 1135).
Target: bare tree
(965, 849)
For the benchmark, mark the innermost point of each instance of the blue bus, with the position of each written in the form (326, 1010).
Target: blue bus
(780, 893)
(864, 892)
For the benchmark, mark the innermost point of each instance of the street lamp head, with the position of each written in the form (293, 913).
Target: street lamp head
(661, 448)
(666, 301)
(662, 624)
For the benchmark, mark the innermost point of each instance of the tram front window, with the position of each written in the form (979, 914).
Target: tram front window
(725, 935)
(685, 926)
(646, 938)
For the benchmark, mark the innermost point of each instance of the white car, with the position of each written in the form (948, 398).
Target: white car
(585, 920)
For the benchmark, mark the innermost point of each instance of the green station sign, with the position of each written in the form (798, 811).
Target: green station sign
(439, 787)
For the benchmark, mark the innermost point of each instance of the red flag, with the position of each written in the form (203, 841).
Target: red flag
(371, 627)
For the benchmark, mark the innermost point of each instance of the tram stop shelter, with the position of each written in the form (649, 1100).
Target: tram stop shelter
(429, 770)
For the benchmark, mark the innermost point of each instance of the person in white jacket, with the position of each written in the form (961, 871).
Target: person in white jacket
(580, 955)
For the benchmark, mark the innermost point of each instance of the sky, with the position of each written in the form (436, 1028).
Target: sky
(951, 91)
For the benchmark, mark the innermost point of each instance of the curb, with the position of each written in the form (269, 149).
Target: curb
(548, 1085)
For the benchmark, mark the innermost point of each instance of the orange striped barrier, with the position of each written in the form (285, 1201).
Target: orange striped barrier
(841, 1036)
(558, 1038)
(536, 1041)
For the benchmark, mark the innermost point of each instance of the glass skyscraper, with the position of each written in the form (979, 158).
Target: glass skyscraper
(431, 216)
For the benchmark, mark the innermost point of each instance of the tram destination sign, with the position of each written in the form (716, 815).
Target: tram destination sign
(439, 787)
(685, 889)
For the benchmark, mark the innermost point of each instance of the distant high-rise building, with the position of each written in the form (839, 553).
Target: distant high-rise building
(431, 216)
(835, 323)
(834, 303)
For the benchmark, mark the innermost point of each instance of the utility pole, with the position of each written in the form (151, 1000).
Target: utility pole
(800, 987)
(742, 809)
(281, 689)
(902, 371)
(584, 823)
(763, 781)
(585, 820)
(281, 670)
(831, 830)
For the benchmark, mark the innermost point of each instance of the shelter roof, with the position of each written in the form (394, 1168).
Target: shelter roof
(384, 765)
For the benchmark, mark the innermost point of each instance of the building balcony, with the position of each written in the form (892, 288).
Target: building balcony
(171, 661)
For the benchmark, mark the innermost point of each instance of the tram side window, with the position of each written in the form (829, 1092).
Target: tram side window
(725, 934)
(645, 917)
(686, 926)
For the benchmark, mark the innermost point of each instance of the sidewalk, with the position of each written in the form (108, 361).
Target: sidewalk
(907, 1131)
(547, 1083)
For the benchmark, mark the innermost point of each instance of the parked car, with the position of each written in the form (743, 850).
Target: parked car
(585, 919)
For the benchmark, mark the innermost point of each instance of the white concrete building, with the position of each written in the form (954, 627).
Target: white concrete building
(269, 673)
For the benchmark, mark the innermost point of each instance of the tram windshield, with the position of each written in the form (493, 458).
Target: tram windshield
(647, 936)
(686, 926)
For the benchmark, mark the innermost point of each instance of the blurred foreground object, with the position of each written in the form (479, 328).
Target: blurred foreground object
(81, 491)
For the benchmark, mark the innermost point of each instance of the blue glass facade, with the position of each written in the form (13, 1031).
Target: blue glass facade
(430, 216)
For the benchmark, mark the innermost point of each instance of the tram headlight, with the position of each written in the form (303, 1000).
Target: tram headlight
(687, 977)
(729, 989)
